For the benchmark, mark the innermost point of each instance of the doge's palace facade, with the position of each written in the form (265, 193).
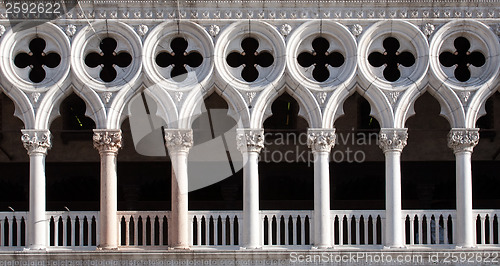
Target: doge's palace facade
(250, 52)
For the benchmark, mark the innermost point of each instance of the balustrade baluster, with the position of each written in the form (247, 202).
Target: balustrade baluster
(127, 231)
(80, 232)
(429, 220)
(18, 231)
(412, 229)
(198, 231)
(349, 231)
(420, 229)
(287, 232)
(358, 241)
(341, 230)
(56, 231)
(490, 224)
(207, 230)
(216, 230)
(365, 221)
(231, 232)
(445, 232)
(269, 231)
(483, 226)
(136, 230)
(12, 232)
(278, 231)
(223, 222)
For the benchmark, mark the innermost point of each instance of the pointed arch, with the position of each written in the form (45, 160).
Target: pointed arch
(23, 108)
(237, 107)
(476, 107)
(451, 106)
(49, 107)
(309, 108)
(380, 106)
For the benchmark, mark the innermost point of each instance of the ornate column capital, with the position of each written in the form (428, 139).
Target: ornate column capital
(393, 139)
(178, 140)
(463, 139)
(250, 139)
(321, 139)
(107, 140)
(36, 141)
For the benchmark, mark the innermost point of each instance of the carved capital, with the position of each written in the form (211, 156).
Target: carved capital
(463, 139)
(393, 139)
(319, 139)
(107, 140)
(36, 141)
(250, 140)
(178, 140)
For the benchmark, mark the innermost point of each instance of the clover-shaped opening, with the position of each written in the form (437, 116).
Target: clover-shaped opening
(391, 58)
(321, 58)
(462, 58)
(108, 59)
(250, 58)
(179, 58)
(36, 59)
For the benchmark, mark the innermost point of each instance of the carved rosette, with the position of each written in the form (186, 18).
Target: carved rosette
(178, 140)
(463, 139)
(36, 141)
(321, 140)
(250, 140)
(107, 140)
(393, 139)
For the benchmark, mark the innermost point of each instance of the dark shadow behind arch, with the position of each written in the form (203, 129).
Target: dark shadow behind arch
(427, 164)
(286, 164)
(357, 168)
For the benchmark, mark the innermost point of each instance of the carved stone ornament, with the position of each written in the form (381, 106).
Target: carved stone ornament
(36, 141)
(393, 139)
(321, 140)
(107, 140)
(178, 140)
(463, 139)
(250, 140)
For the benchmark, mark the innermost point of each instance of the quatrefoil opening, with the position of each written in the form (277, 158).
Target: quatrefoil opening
(250, 58)
(321, 58)
(462, 58)
(391, 58)
(179, 58)
(108, 59)
(36, 59)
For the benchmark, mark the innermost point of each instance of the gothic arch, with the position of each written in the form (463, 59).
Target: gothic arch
(309, 108)
(451, 106)
(476, 107)
(23, 108)
(380, 106)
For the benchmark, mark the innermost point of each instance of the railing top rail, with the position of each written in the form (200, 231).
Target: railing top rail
(10, 215)
(72, 213)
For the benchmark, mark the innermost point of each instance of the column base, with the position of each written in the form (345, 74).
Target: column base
(35, 249)
(465, 247)
(250, 248)
(106, 248)
(395, 247)
(180, 248)
(322, 247)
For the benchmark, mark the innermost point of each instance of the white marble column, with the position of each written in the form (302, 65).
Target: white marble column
(462, 141)
(392, 141)
(178, 142)
(321, 142)
(250, 142)
(37, 143)
(108, 142)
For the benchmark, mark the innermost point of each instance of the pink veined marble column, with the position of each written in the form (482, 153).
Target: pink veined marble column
(108, 142)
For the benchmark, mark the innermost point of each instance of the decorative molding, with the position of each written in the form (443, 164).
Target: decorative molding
(393, 139)
(70, 30)
(2, 30)
(107, 140)
(214, 30)
(178, 140)
(321, 139)
(250, 140)
(36, 141)
(463, 139)
(428, 29)
(142, 30)
(35, 96)
(356, 29)
(107, 96)
(285, 29)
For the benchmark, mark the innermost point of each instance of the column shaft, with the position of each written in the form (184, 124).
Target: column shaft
(178, 143)
(392, 141)
(37, 143)
(321, 141)
(108, 142)
(250, 142)
(463, 141)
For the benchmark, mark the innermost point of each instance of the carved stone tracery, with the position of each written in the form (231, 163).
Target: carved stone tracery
(178, 140)
(321, 140)
(463, 139)
(250, 140)
(107, 140)
(393, 139)
(36, 141)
